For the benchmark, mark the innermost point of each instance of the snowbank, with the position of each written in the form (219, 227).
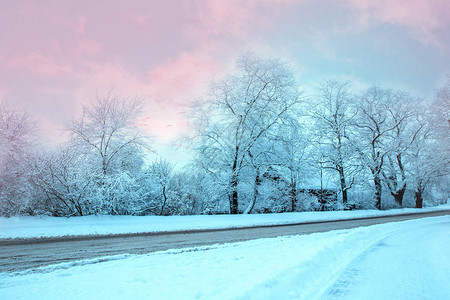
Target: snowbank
(377, 262)
(34, 227)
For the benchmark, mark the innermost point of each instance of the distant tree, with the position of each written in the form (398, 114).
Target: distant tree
(397, 142)
(65, 181)
(428, 154)
(107, 127)
(421, 160)
(334, 115)
(16, 132)
(440, 113)
(373, 124)
(107, 136)
(162, 172)
(291, 143)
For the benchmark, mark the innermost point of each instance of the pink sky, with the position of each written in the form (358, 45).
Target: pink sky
(56, 55)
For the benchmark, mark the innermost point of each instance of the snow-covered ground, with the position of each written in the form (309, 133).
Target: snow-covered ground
(402, 260)
(26, 227)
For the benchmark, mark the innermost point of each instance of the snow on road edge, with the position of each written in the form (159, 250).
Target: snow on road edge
(36, 227)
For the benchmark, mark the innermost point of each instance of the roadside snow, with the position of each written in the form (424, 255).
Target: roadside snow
(402, 260)
(32, 227)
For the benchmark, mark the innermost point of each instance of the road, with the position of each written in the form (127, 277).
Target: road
(16, 255)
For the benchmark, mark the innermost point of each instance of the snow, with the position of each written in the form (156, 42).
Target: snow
(402, 260)
(408, 265)
(35, 227)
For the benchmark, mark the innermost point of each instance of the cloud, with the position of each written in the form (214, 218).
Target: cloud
(87, 47)
(38, 63)
(422, 17)
(166, 52)
(233, 18)
(167, 89)
(174, 85)
(226, 17)
(139, 19)
(80, 27)
(182, 77)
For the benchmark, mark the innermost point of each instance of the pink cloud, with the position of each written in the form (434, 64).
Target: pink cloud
(87, 47)
(231, 18)
(139, 19)
(226, 17)
(80, 27)
(36, 62)
(183, 76)
(98, 78)
(174, 85)
(228, 28)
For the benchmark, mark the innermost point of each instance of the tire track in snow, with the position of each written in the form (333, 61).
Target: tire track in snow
(315, 277)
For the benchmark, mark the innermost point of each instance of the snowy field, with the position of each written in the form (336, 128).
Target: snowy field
(402, 260)
(26, 227)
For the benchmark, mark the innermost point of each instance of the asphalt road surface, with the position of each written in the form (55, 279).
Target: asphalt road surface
(22, 254)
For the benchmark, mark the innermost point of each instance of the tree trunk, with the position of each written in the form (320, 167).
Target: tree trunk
(104, 166)
(293, 197)
(233, 185)
(234, 203)
(397, 188)
(398, 195)
(343, 185)
(419, 199)
(377, 184)
(164, 200)
(255, 193)
(418, 195)
(234, 195)
(401, 192)
(322, 204)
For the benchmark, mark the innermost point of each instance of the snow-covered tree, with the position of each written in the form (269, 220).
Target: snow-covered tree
(397, 142)
(241, 111)
(428, 156)
(16, 132)
(374, 123)
(334, 115)
(440, 114)
(65, 181)
(162, 173)
(291, 144)
(107, 137)
(107, 128)
(422, 165)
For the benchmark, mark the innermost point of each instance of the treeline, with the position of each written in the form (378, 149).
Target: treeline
(259, 145)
